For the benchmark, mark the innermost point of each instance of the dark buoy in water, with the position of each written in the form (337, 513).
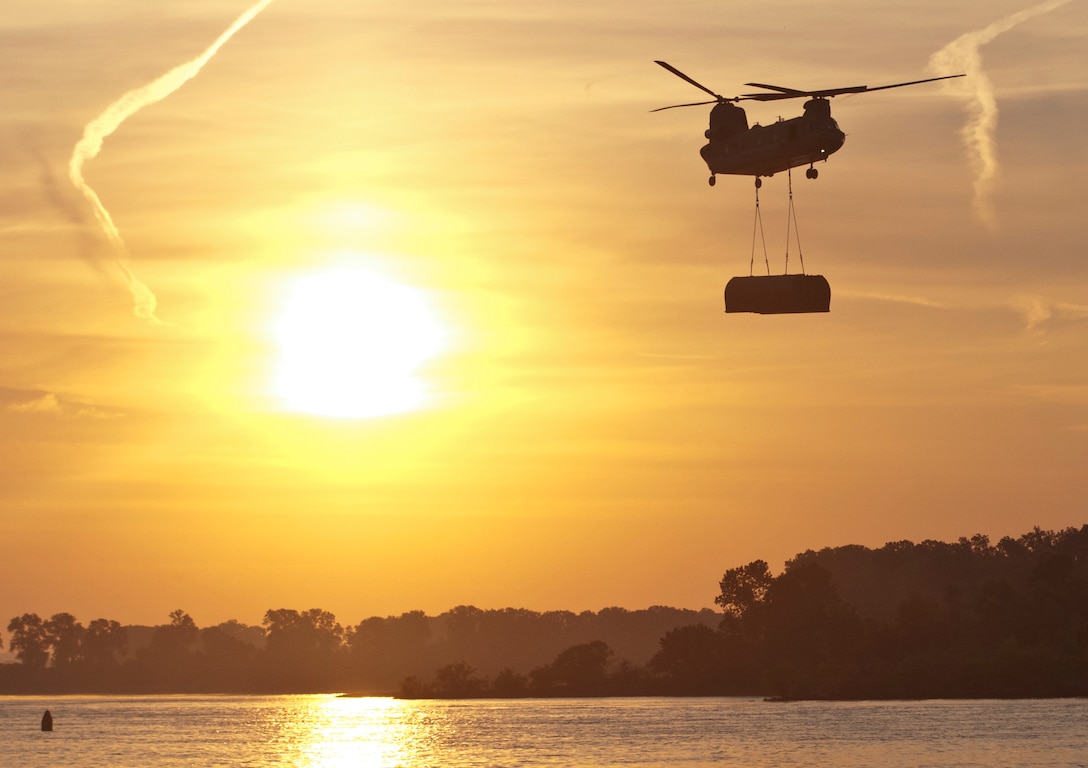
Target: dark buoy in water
(47, 721)
(778, 294)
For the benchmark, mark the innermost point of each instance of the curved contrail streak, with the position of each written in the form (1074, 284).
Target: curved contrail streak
(88, 147)
(962, 55)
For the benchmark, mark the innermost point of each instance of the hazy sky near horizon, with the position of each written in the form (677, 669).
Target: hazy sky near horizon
(596, 431)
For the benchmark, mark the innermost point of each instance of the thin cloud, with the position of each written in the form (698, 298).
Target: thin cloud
(51, 405)
(47, 403)
(1061, 394)
(1039, 310)
(897, 298)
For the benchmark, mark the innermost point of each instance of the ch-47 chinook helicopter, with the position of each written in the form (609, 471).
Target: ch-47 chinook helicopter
(734, 148)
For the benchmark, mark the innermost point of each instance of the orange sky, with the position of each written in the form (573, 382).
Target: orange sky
(598, 432)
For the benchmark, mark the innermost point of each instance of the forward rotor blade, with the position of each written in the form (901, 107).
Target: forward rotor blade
(685, 78)
(693, 104)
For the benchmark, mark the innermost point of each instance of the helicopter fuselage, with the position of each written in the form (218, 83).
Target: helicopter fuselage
(734, 148)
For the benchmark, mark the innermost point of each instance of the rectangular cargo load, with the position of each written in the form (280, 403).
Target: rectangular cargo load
(778, 294)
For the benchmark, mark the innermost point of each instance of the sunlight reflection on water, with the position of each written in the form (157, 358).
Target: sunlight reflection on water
(342, 732)
(333, 732)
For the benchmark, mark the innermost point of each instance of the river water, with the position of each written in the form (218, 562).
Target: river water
(328, 732)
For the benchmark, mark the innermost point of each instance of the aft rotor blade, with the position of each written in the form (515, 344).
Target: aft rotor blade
(792, 93)
(779, 88)
(772, 96)
(840, 91)
(684, 77)
(693, 104)
(914, 82)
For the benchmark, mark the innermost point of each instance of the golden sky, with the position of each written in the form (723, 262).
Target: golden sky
(593, 429)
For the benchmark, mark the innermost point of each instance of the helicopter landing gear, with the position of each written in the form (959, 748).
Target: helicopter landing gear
(759, 182)
(811, 173)
(711, 180)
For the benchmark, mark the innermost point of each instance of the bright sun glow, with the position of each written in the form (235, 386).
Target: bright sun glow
(351, 344)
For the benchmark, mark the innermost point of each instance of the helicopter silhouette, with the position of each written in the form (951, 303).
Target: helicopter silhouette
(734, 148)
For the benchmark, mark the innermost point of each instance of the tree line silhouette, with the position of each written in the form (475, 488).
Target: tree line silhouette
(906, 620)
(310, 651)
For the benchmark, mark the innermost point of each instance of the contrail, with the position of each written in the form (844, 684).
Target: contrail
(962, 55)
(88, 147)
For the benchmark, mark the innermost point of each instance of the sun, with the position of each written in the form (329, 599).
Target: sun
(351, 344)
